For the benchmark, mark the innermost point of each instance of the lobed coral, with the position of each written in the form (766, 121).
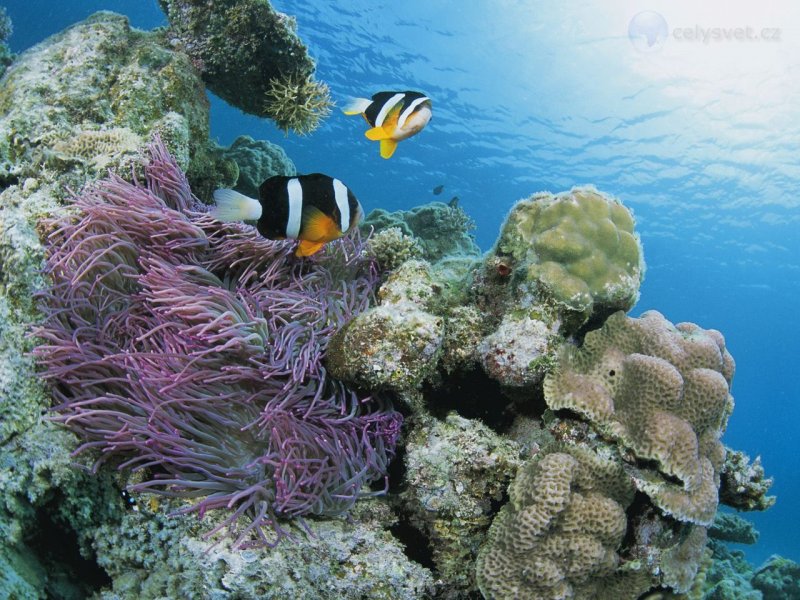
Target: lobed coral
(192, 350)
(577, 252)
(662, 392)
(558, 536)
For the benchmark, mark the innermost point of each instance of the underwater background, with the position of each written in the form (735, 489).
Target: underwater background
(699, 138)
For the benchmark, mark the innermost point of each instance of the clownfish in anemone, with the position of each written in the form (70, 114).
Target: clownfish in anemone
(394, 116)
(315, 209)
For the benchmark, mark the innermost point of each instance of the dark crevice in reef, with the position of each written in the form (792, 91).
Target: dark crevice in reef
(415, 545)
(473, 395)
(69, 575)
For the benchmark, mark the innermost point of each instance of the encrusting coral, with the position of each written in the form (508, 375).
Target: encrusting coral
(192, 350)
(257, 160)
(660, 391)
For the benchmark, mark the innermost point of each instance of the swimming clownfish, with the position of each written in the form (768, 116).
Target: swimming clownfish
(314, 209)
(394, 116)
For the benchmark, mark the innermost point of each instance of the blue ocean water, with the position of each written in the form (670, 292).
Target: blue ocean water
(693, 126)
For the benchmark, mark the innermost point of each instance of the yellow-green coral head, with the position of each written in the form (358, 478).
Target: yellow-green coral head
(393, 116)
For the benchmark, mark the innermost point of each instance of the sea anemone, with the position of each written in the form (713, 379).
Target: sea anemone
(191, 350)
(297, 103)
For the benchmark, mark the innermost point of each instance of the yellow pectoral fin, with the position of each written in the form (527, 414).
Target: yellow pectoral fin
(306, 248)
(388, 146)
(316, 226)
(377, 133)
(355, 111)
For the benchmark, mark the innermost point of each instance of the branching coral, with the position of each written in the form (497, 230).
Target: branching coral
(298, 104)
(192, 350)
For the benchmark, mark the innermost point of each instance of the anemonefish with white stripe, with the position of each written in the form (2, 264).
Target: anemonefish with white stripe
(394, 116)
(314, 209)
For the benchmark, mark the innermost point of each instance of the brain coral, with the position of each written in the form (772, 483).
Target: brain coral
(577, 248)
(558, 536)
(662, 391)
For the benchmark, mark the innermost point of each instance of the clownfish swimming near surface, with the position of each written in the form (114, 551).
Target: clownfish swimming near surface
(394, 116)
(314, 209)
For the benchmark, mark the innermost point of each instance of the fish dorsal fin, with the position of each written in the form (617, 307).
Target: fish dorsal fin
(388, 146)
(306, 248)
(317, 226)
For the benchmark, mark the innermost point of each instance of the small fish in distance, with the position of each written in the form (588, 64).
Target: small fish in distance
(453, 202)
(394, 116)
(314, 209)
(438, 190)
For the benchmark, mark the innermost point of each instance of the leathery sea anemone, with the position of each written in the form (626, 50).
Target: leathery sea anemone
(191, 350)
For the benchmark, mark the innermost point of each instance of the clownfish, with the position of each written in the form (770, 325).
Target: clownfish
(394, 116)
(314, 209)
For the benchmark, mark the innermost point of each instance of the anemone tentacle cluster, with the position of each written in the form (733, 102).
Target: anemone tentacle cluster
(191, 350)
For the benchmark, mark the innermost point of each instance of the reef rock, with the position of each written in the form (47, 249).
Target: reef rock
(249, 54)
(87, 99)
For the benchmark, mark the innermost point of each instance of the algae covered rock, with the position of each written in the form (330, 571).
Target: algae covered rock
(250, 55)
(395, 345)
(662, 392)
(576, 251)
(87, 99)
(456, 470)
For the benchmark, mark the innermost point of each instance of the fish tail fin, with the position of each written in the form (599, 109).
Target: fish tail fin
(233, 206)
(388, 146)
(356, 106)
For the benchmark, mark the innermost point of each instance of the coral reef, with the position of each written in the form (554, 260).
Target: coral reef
(151, 556)
(575, 253)
(440, 230)
(391, 247)
(456, 470)
(728, 527)
(393, 346)
(85, 99)
(297, 104)
(558, 536)
(257, 160)
(250, 56)
(661, 391)
(743, 485)
(192, 349)
(778, 579)
(6, 29)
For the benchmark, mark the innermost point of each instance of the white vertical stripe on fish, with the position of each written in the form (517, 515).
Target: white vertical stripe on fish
(410, 109)
(386, 108)
(295, 191)
(340, 193)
